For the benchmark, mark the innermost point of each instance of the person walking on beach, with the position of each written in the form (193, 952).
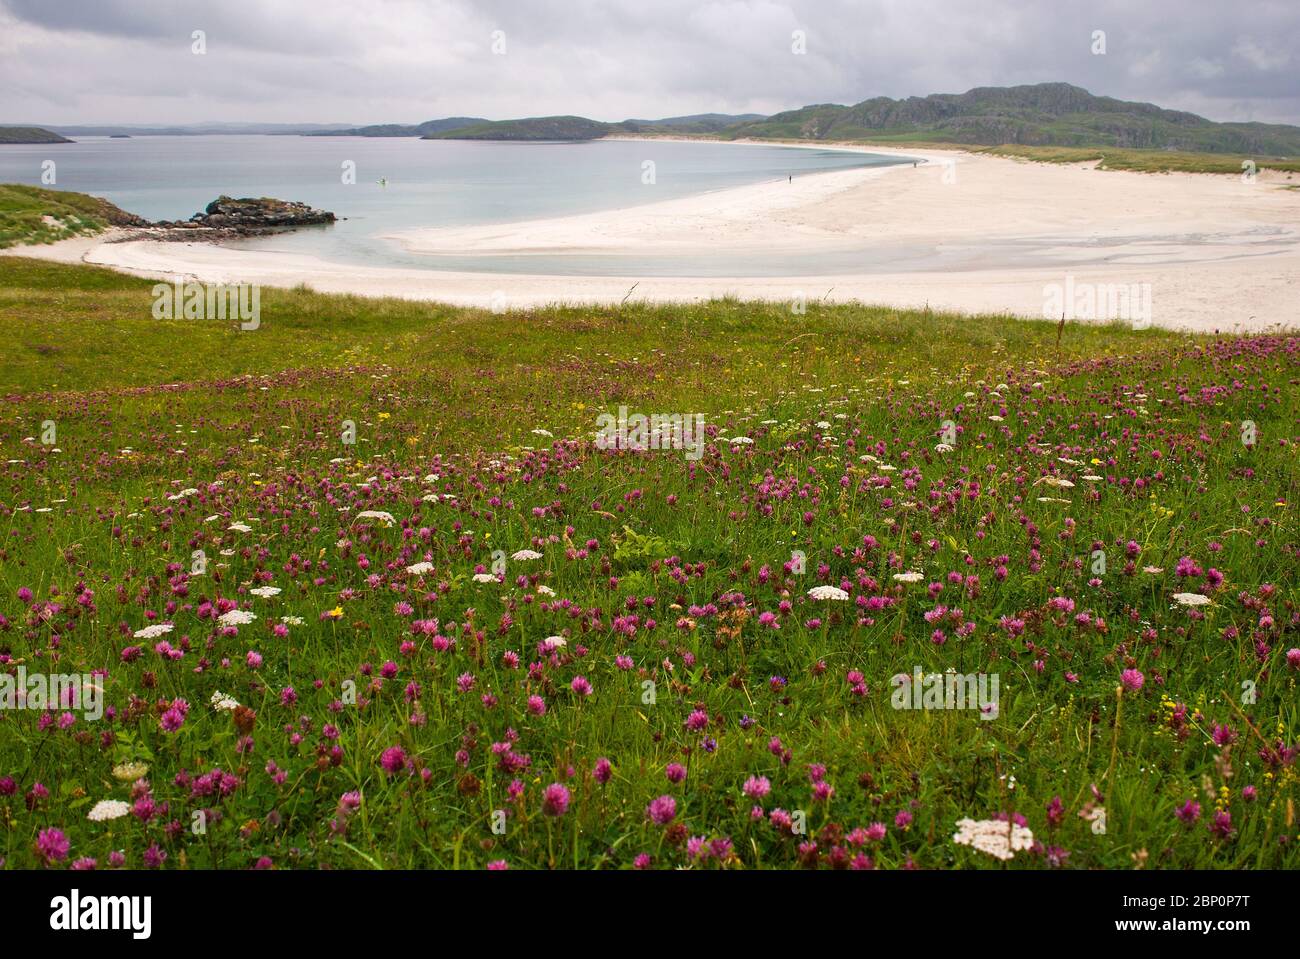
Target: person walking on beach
(791, 177)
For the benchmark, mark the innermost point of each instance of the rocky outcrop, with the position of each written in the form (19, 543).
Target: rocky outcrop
(227, 217)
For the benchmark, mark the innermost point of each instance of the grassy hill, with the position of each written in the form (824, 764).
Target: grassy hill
(698, 123)
(31, 214)
(1044, 114)
(404, 130)
(30, 135)
(532, 128)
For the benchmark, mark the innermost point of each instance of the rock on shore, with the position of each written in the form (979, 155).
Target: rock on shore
(250, 217)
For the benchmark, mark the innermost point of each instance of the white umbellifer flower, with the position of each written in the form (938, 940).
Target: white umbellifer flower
(555, 642)
(998, 838)
(1191, 599)
(1153, 570)
(995, 418)
(240, 528)
(291, 620)
(153, 631)
(419, 569)
(221, 702)
(543, 433)
(822, 425)
(385, 518)
(130, 772)
(1055, 482)
(266, 592)
(909, 577)
(1067, 461)
(1052, 499)
(524, 555)
(182, 494)
(741, 441)
(1091, 477)
(828, 592)
(107, 809)
(211, 519)
(943, 448)
(236, 617)
(485, 578)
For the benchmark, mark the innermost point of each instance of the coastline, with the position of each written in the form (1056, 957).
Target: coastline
(1215, 253)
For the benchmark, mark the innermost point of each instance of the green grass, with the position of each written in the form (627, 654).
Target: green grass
(1143, 161)
(34, 215)
(167, 433)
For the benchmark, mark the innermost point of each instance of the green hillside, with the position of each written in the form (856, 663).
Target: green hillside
(1044, 114)
(532, 128)
(31, 214)
(402, 129)
(30, 135)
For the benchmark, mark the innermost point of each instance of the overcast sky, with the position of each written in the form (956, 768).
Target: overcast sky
(373, 61)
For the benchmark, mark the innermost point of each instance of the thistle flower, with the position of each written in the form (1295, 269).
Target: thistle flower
(662, 810)
(52, 845)
(555, 800)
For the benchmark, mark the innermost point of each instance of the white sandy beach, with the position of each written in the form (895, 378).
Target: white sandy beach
(980, 234)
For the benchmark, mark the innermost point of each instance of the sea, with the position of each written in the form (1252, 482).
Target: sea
(378, 186)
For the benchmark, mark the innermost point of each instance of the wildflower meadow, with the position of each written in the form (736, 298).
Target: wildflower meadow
(383, 584)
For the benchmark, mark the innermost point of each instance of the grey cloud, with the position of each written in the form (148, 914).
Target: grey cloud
(406, 60)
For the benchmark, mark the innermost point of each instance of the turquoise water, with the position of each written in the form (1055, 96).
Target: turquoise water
(427, 183)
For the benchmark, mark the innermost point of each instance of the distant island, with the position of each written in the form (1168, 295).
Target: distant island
(403, 130)
(580, 128)
(30, 135)
(533, 128)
